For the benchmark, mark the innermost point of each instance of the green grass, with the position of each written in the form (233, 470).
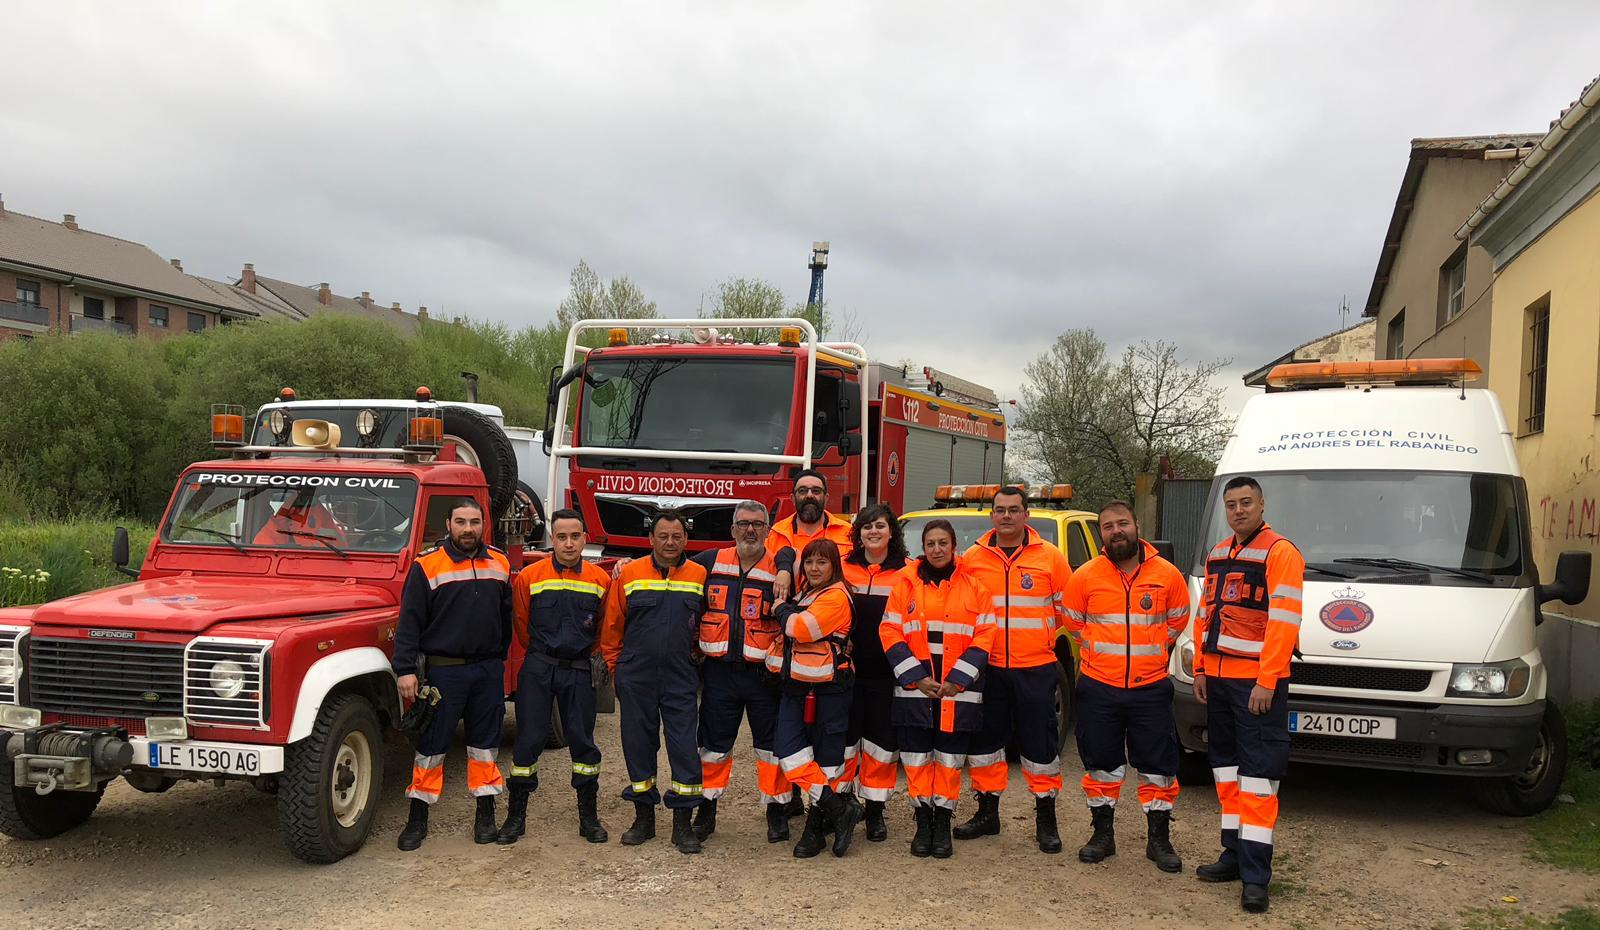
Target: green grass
(75, 555)
(1506, 917)
(1568, 835)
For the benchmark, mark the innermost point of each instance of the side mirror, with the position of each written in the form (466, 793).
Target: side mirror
(550, 406)
(119, 552)
(1166, 549)
(849, 413)
(1572, 579)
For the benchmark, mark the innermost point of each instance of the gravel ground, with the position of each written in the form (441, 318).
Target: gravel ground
(1351, 847)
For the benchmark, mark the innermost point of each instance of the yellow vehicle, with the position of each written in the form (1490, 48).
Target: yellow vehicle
(1075, 532)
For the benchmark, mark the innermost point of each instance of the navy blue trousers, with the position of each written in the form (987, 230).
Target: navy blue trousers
(1249, 754)
(658, 698)
(542, 684)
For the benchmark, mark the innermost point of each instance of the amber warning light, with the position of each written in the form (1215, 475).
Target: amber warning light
(227, 425)
(1387, 371)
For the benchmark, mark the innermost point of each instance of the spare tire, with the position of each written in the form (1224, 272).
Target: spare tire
(486, 446)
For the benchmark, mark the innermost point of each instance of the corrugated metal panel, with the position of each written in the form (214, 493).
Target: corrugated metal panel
(978, 462)
(927, 467)
(1180, 516)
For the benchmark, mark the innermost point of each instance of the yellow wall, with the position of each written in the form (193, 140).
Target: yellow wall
(1561, 463)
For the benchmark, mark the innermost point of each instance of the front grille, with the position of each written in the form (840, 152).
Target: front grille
(708, 522)
(8, 641)
(248, 708)
(1351, 746)
(1360, 677)
(113, 679)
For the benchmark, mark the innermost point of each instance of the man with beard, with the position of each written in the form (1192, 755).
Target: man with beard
(811, 518)
(1126, 608)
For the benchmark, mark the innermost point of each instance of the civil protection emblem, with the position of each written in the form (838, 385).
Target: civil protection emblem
(1027, 582)
(1145, 603)
(1346, 613)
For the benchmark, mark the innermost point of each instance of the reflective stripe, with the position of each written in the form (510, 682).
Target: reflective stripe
(1230, 821)
(811, 624)
(1019, 600)
(1177, 613)
(1286, 590)
(1123, 649)
(1075, 614)
(966, 668)
(1158, 804)
(640, 787)
(831, 772)
(890, 616)
(1115, 775)
(967, 697)
(707, 755)
(913, 626)
(1262, 787)
(1160, 781)
(849, 753)
(582, 587)
(812, 672)
(949, 760)
(797, 759)
(760, 574)
(906, 666)
(1254, 555)
(428, 762)
(1131, 619)
(1053, 767)
(1255, 834)
(981, 760)
(876, 752)
(487, 791)
(524, 771)
(1225, 773)
(935, 649)
(578, 768)
(951, 629)
(1239, 645)
(755, 653)
(1284, 615)
(482, 755)
(1025, 623)
(492, 572)
(653, 584)
(1218, 551)
(719, 648)
(767, 756)
(683, 790)
(1101, 800)
(915, 760)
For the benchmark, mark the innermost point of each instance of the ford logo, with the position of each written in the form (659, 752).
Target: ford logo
(1345, 644)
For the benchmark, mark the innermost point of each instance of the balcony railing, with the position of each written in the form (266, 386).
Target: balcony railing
(24, 313)
(88, 324)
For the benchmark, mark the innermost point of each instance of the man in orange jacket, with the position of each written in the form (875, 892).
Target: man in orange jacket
(1126, 608)
(1024, 577)
(1246, 631)
(811, 519)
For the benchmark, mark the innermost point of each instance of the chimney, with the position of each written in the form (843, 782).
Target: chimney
(177, 263)
(396, 307)
(422, 313)
(366, 299)
(247, 280)
(2, 204)
(69, 220)
(324, 295)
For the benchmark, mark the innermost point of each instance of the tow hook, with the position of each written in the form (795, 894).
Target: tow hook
(50, 758)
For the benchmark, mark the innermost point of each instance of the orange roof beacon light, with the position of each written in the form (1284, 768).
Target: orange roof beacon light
(1436, 371)
(425, 429)
(617, 337)
(287, 394)
(789, 337)
(424, 395)
(227, 426)
(943, 493)
(1050, 493)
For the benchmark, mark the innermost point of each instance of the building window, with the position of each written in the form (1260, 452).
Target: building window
(158, 316)
(197, 322)
(1453, 286)
(1396, 347)
(1536, 352)
(94, 308)
(28, 292)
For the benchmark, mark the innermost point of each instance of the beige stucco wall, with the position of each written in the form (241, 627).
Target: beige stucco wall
(1561, 463)
(1451, 188)
(1351, 345)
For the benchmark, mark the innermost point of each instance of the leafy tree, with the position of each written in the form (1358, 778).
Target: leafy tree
(589, 298)
(755, 299)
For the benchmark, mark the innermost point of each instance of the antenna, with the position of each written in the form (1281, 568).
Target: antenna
(1463, 355)
(1344, 310)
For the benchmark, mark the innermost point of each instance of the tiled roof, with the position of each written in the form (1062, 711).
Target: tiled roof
(1504, 140)
(264, 304)
(303, 300)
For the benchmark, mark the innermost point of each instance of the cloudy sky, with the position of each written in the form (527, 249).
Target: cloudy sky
(989, 175)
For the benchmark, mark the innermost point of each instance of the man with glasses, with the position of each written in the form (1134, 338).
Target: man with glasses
(736, 632)
(811, 518)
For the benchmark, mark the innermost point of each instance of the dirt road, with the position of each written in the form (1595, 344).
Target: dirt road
(1350, 850)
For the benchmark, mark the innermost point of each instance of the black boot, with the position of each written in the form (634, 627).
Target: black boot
(416, 828)
(877, 830)
(516, 816)
(796, 807)
(705, 819)
(921, 844)
(843, 812)
(986, 822)
(1253, 898)
(644, 825)
(1103, 842)
(483, 828)
(1223, 870)
(777, 823)
(941, 847)
(814, 837)
(1158, 848)
(1044, 825)
(589, 826)
(684, 835)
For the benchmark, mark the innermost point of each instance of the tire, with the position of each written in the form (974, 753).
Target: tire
(321, 821)
(28, 815)
(492, 449)
(538, 520)
(1536, 787)
(1065, 689)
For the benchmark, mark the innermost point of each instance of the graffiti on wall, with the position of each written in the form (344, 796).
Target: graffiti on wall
(1568, 518)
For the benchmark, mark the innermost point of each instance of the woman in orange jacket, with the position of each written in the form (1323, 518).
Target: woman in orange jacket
(812, 662)
(936, 633)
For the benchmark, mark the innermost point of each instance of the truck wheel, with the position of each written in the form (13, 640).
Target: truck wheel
(329, 788)
(558, 734)
(28, 815)
(1536, 787)
(491, 451)
(1064, 696)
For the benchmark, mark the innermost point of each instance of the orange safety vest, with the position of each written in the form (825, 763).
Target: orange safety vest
(739, 606)
(786, 533)
(1025, 593)
(815, 646)
(1125, 625)
(1249, 620)
(950, 620)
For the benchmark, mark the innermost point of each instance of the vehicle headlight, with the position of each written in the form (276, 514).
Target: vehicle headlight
(1186, 659)
(227, 678)
(10, 667)
(1499, 680)
(278, 422)
(366, 423)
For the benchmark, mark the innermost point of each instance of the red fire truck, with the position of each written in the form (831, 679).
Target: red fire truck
(678, 413)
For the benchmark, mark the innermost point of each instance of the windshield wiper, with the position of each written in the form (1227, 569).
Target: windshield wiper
(1408, 565)
(1326, 568)
(310, 535)
(230, 540)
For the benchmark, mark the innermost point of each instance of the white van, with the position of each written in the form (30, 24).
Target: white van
(1417, 651)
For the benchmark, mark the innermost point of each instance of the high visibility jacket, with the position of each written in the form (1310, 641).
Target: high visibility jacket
(941, 630)
(870, 587)
(815, 646)
(285, 527)
(1248, 623)
(1126, 624)
(653, 611)
(786, 533)
(454, 605)
(557, 609)
(1025, 591)
(738, 625)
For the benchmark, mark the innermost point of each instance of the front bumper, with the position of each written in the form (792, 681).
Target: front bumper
(53, 757)
(1427, 736)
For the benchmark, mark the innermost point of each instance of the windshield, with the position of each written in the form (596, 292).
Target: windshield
(969, 526)
(690, 405)
(1451, 520)
(359, 513)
